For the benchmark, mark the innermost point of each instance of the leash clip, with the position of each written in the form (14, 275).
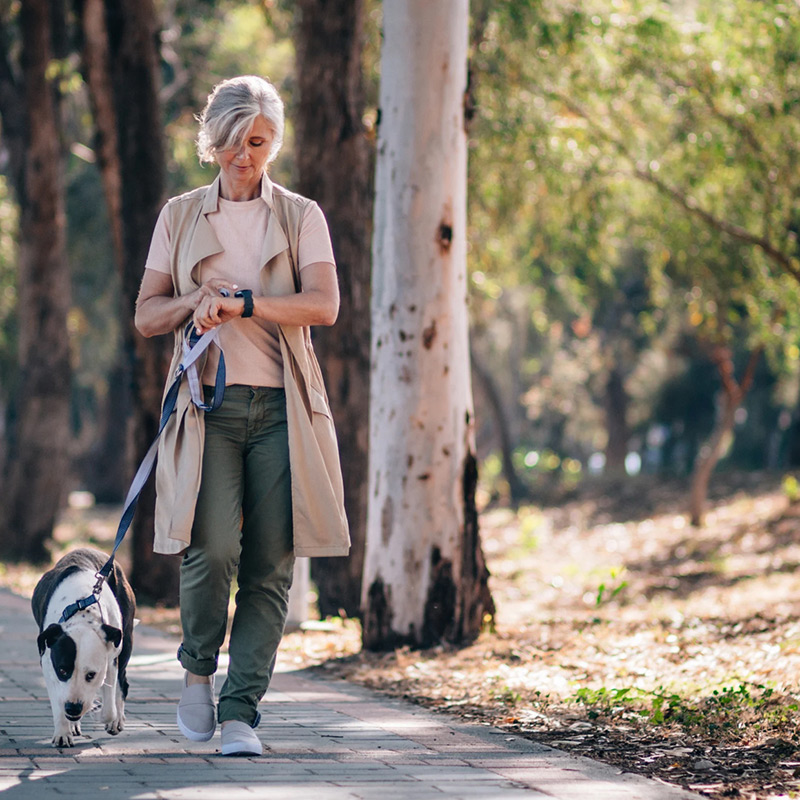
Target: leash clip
(100, 580)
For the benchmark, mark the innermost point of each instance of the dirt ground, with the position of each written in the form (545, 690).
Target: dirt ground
(622, 633)
(626, 635)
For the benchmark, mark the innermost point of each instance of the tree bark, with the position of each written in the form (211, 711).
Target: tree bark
(134, 69)
(334, 166)
(96, 58)
(112, 459)
(37, 463)
(425, 577)
(733, 395)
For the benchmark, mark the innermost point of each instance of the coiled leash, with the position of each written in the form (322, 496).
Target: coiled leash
(194, 346)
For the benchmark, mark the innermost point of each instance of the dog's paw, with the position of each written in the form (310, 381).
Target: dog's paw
(115, 724)
(75, 728)
(63, 740)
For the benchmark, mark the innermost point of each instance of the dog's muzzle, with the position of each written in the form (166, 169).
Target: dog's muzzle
(73, 711)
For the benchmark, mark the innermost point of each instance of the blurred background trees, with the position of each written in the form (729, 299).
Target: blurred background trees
(633, 220)
(633, 177)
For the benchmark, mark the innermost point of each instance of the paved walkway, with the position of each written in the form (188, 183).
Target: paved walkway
(327, 740)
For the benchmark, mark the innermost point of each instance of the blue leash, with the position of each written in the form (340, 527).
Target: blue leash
(197, 345)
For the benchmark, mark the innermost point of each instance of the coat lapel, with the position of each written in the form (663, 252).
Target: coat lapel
(204, 242)
(275, 242)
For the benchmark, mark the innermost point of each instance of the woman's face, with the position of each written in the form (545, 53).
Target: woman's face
(241, 167)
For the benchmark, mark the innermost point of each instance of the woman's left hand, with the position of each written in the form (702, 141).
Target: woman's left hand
(214, 311)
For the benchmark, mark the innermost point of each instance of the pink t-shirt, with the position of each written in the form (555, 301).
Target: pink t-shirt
(251, 346)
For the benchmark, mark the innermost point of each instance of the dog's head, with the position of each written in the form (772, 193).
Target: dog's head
(75, 662)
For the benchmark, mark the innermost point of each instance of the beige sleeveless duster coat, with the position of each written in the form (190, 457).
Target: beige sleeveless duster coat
(320, 523)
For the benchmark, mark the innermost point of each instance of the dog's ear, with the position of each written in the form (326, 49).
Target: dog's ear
(48, 636)
(113, 635)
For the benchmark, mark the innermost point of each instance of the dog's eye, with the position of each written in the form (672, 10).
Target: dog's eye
(90, 676)
(63, 673)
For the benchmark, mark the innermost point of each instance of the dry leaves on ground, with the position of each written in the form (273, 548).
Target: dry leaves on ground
(625, 635)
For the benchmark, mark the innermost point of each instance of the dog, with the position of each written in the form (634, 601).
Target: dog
(86, 655)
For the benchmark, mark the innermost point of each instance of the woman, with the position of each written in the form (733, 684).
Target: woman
(244, 488)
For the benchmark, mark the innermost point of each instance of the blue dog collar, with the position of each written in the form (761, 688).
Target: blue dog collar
(79, 605)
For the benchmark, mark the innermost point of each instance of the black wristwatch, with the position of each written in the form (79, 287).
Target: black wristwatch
(247, 296)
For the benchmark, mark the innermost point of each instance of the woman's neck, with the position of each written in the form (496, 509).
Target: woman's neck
(238, 192)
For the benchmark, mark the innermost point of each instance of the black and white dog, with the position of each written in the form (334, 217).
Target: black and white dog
(87, 654)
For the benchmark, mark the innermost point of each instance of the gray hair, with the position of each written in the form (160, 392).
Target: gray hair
(232, 108)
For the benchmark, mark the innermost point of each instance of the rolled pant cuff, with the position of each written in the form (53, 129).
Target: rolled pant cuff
(197, 666)
(238, 710)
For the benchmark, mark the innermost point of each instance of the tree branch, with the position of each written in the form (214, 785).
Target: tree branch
(645, 173)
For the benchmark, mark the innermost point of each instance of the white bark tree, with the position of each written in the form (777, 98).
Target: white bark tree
(425, 578)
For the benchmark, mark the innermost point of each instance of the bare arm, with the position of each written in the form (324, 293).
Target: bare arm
(316, 304)
(159, 311)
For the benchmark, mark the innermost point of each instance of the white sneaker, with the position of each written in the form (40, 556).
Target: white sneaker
(197, 714)
(239, 739)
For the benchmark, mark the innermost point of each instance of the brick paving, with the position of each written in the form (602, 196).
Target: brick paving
(326, 740)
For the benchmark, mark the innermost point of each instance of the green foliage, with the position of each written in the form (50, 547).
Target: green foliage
(611, 587)
(624, 158)
(633, 181)
(791, 488)
(509, 696)
(711, 712)
(201, 49)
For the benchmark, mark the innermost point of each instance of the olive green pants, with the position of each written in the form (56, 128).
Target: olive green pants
(242, 527)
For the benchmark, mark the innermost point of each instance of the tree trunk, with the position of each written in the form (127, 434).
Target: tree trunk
(96, 69)
(38, 454)
(112, 460)
(134, 69)
(425, 578)
(334, 168)
(616, 408)
(518, 491)
(708, 457)
(733, 395)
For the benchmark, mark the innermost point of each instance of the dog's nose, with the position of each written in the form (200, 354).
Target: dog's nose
(73, 710)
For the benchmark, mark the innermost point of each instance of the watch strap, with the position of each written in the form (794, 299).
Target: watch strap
(247, 296)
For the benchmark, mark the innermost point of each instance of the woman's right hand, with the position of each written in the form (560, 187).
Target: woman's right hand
(159, 311)
(214, 287)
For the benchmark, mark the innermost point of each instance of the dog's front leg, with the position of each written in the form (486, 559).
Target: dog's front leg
(63, 729)
(113, 708)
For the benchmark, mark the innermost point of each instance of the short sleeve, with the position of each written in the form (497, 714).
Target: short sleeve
(314, 245)
(158, 256)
